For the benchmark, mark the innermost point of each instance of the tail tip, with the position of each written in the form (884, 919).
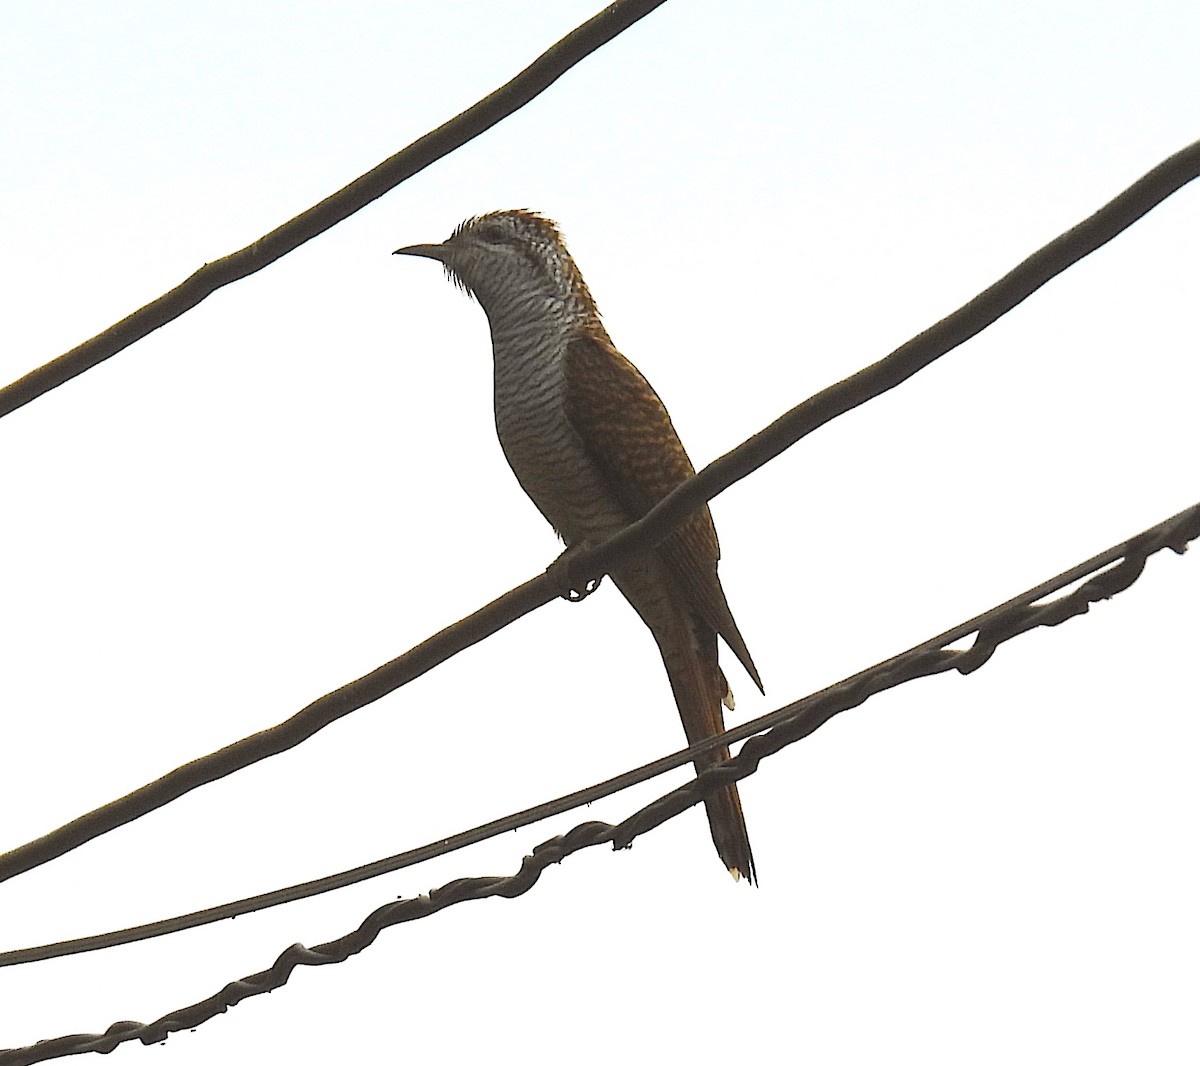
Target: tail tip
(738, 874)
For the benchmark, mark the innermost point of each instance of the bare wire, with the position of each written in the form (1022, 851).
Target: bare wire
(788, 725)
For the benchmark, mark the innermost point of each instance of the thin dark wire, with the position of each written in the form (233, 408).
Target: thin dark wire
(794, 723)
(977, 314)
(904, 362)
(992, 627)
(510, 97)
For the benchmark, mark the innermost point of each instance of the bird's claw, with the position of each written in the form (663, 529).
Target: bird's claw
(562, 569)
(575, 595)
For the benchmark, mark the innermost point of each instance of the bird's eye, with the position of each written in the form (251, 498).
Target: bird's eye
(491, 234)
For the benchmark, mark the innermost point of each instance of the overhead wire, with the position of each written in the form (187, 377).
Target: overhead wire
(788, 725)
(1102, 577)
(514, 94)
(993, 627)
(914, 355)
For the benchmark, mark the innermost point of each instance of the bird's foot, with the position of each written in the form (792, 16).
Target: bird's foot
(575, 595)
(563, 571)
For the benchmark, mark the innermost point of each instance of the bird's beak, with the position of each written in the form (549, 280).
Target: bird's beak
(429, 251)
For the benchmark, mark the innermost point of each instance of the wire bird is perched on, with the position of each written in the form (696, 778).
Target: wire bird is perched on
(593, 446)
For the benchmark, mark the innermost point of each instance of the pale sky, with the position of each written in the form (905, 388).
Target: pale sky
(299, 480)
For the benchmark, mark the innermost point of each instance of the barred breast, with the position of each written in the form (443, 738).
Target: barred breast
(541, 446)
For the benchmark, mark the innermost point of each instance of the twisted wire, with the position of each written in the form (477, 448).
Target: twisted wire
(786, 726)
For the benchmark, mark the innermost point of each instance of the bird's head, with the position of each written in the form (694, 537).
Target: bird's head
(511, 260)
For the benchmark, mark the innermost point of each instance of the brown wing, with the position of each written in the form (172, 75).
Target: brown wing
(630, 438)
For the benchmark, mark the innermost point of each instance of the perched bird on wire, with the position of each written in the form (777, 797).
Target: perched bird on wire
(593, 446)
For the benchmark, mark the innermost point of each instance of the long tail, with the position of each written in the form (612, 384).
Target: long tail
(700, 691)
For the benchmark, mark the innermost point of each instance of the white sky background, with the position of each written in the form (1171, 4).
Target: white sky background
(299, 479)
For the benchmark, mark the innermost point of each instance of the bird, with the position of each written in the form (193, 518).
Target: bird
(593, 447)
